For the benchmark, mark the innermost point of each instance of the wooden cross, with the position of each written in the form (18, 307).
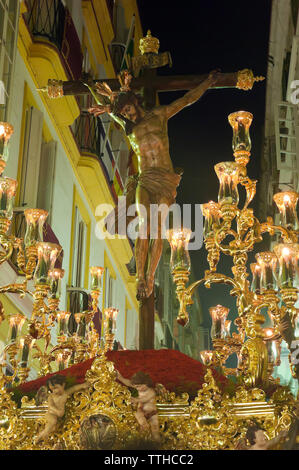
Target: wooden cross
(149, 84)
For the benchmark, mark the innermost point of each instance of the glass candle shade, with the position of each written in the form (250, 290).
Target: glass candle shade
(110, 315)
(81, 324)
(35, 219)
(218, 315)
(47, 254)
(228, 174)
(60, 361)
(241, 122)
(6, 130)
(287, 254)
(256, 278)
(206, 357)
(211, 212)
(286, 202)
(96, 273)
(63, 359)
(8, 187)
(273, 348)
(62, 319)
(15, 322)
(180, 258)
(227, 325)
(267, 262)
(55, 276)
(26, 344)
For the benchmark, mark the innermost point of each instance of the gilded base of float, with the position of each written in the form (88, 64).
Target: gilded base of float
(212, 420)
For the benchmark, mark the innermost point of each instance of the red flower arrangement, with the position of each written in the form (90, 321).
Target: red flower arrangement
(176, 371)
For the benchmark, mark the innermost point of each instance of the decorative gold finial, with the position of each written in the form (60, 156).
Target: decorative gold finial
(54, 89)
(246, 79)
(149, 44)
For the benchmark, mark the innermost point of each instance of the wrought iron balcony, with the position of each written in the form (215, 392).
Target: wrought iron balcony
(46, 20)
(87, 133)
(91, 137)
(49, 20)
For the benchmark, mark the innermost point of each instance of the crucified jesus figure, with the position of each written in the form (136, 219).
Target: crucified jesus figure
(156, 181)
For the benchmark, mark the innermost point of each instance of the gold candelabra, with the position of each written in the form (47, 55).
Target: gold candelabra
(234, 231)
(36, 260)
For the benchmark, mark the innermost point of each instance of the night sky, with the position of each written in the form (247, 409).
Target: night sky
(202, 36)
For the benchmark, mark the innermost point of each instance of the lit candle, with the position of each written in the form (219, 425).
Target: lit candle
(35, 219)
(47, 255)
(272, 349)
(211, 212)
(16, 322)
(206, 357)
(62, 318)
(179, 240)
(6, 130)
(287, 254)
(26, 344)
(256, 278)
(110, 319)
(55, 276)
(8, 188)
(227, 327)
(267, 262)
(228, 175)
(241, 122)
(96, 273)
(81, 324)
(218, 315)
(286, 202)
(60, 361)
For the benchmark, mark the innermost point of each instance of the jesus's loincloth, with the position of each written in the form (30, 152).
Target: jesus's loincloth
(159, 184)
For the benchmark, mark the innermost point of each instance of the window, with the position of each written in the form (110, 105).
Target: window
(109, 289)
(31, 157)
(80, 241)
(46, 177)
(36, 164)
(37, 157)
(78, 267)
(9, 16)
(79, 272)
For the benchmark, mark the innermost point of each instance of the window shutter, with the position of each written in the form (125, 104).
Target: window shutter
(46, 177)
(31, 158)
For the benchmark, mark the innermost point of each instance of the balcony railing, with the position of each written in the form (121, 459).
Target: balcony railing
(46, 20)
(87, 133)
(50, 20)
(91, 137)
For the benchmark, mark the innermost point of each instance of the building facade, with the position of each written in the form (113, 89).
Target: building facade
(280, 155)
(65, 160)
(69, 162)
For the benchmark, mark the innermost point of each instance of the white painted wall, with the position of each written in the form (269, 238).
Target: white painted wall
(62, 194)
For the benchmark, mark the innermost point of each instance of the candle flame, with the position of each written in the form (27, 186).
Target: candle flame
(111, 312)
(269, 332)
(96, 271)
(56, 273)
(286, 199)
(285, 252)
